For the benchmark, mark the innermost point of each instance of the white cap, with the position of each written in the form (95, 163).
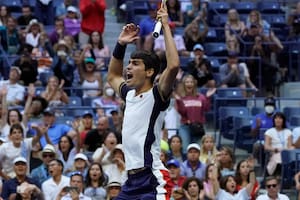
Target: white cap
(193, 146)
(20, 159)
(17, 69)
(81, 156)
(2, 139)
(48, 148)
(72, 9)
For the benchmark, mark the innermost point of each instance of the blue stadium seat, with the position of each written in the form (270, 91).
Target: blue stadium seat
(87, 101)
(211, 35)
(183, 62)
(215, 49)
(242, 134)
(257, 110)
(289, 112)
(78, 111)
(219, 7)
(294, 121)
(44, 76)
(269, 7)
(215, 64)
(244, 7)
(288, 168)
(13, 5)
(75, 101)
(231, 97)
(276, 20)
(65, 120)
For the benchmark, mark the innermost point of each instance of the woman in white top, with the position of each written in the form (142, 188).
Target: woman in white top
(277, 139)
(34, 31)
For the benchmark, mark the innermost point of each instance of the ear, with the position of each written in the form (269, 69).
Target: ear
(149, 72)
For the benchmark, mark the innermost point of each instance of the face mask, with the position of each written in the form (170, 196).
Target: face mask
(269, 109)
(109, 92)
(61, 53)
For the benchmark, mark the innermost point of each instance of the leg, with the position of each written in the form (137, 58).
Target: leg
(184, 133)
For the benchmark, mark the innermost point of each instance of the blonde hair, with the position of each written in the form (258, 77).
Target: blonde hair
(195, 91)
(203, 151)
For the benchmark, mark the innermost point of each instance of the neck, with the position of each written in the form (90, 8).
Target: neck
(57, 179)
(21, 178)
(142, 90)
(95, 183)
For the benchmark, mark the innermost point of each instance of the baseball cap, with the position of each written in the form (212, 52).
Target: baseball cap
(198, 47)
(173, 162)
(17, 69)
(81, 156)
(72, 9)
(193, 146)
(87, 114)
(89, 60)
(20, 159)
(48, 148)
(270, 101)
(49, 111)
(114, 183)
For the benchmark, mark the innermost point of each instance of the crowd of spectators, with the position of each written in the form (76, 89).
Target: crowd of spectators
(43, 157)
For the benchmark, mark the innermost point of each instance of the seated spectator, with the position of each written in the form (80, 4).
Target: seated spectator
(97, 50)
(273, 190)
(174, 12)
(294, 22)
(113, 189)
(41, 173)
(159, 44)
(59, 31)
(33, 32)
(192, 107)
(200, 68)
(80, 164)
(21, 186)
(10, 37)
(61, 8)
(177, 180)
(91, 79)
(95, 182)
(72, 45)
(109, 101)
(296, 137)
(192, 166)
(193, 188)
(234, 26)
(4, 14)
(53, 186)
(232, 44)
(17, 146)
(176, 149)
(194, 35)
(66, 152)
(232, 74)
(277, 139)
(26, 16)
(225, 161)
(242, 176)
(72, 21)
(15, 91)
(37, 105)
(54, 93)
(196, 9)
(208, 153)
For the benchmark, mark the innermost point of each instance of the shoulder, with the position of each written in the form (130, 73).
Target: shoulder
(283, 196)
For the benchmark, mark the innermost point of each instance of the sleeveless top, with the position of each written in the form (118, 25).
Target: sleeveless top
(90, 88)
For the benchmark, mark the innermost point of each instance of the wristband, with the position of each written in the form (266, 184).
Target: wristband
(119, 51)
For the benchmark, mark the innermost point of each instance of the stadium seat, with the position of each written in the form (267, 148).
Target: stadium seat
(244, 7)
(215, 64)
(269, 7)
(257, 110)
(289, 112)
(74, 101)
(184, 61)
(288, 168)
(211, 35)
(294, 121)
(230, 97)
(242, 134)
(13, 5)
(215, 49)
(219, 7)
(65, 120)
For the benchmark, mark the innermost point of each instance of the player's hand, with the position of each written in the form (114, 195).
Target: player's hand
(129, 34)
(162, 14)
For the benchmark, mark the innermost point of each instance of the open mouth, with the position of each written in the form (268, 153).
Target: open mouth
(129, 76)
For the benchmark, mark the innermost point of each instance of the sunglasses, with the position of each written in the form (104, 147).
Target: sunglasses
(48, 155)
(271, 185)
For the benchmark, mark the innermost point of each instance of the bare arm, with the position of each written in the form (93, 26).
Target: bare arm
(268, 141)
(168, 77)
(31, 93)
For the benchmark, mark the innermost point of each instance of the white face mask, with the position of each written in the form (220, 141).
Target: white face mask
(269, 109)
(61, 53)
(109, 92)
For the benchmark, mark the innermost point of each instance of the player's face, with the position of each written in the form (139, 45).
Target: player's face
(135, 73)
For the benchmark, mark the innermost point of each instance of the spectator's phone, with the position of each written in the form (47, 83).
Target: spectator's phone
(70, 188)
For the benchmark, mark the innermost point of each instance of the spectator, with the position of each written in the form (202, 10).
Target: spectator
(200, 68)
(17, 146)
(192, 166)
(44, 11)
(91, 79)
(277, 139)
(95, 182)
(193, 34)
(147, 24)
(208, 151)
(242, 176)
(103, 154)
(208, 181)
(93, 18)
(174, 12)
(52, 187)
(4, 14)
(75, 191)
(10, 39)
(113, 189)
(297, 181)
(95, 137)
(33, 32)
(176, 149)
(41, 173)
(86, 124)
(262, 121)
(193, 189)
(70, 42)
(97, 50)
(232, 44)
(37, 105)
(296, 137)
(21, 186)
(116, 170)
(72, 21)
(177, 180)
(15, 91)
(232, 74)
(59, 31)
(192, 107)
(273, 189)
(54, 93)
(81, 165)
(294, 22)
(225, 161)
(55, 130)
(26, 16)
(109, 101)
(234, 26)
(61, 9)
(196, 9)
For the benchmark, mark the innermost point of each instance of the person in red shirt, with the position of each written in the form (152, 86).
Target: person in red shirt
(93, 18)
(177, 180)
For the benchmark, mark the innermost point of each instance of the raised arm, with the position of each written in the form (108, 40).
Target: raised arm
(31, 93)
(129, 34)
(168, 76)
